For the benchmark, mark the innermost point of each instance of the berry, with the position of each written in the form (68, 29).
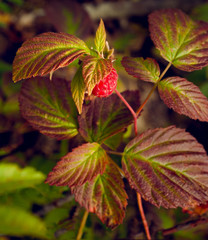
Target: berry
(107, 85)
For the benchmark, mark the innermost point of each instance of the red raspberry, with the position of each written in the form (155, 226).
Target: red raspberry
(107, 85)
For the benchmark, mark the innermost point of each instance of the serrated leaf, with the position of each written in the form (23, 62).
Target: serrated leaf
(100, 37)
(83, 164)
(46, 53)
(184, 97)
(78, 89)
(48, 106)
(179, 39)
(105, 196)
(104, 117)
(18, 222)
(13, 178)
(145, 69)
(168, 167)
(94, 70)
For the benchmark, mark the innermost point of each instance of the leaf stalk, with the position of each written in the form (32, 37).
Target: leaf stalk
(81, 228)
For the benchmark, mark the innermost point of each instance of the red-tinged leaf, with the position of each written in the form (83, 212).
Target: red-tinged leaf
(83, 164)
(48, 107)
(168, 167)
(105, 196)
(46, 53)
(145, 69)
(100, 37)
(78, 89)
(179, 39)
(104, 117)
(94, 70)
(184, 98)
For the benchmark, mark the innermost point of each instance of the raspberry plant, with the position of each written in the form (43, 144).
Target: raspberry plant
(166, 166)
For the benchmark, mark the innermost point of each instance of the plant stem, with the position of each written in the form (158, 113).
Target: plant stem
(81, 228)
(114, 153)
(185, 226)
(130, 109)
(152, 90)
(144, 221)
(135, 116)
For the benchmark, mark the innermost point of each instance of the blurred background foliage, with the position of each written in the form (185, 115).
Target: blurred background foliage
(30, 209)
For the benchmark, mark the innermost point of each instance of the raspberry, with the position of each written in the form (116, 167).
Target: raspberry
(107, 85)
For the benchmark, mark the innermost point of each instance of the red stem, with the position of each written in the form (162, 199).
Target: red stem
(144, 221)
(130, 109)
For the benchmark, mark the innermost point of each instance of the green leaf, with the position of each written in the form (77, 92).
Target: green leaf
(104, 117)
(13, 177)
(83, 164)
(184, 97)
(46, 53)
(145, 69)
(78, 89)
(168, 167)
(48, 107)
(100, 37)
(179, 39)
(94, 70)
(17, 222)
(105, 196)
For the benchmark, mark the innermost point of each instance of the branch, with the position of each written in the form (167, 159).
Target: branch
(184, 226)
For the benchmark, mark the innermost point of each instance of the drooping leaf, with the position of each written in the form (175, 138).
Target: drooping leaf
(13, 178)
(17, 222)
(168, 167)
(145, 69)
(105, 196)
(184, 97)
(104, 117)
(100, 37)
(48, 107)
(94, 70)
(78, 89)
(46, 53)
(83, 164)
(179, 39)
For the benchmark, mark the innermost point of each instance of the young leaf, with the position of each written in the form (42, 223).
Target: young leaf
(14, 178)
(46, 53)
(94, 70)
(83, 164)
(48, 107)
(104, 117)
(100, 37)
(18, 222)
(179, 39)
(78, 89)
(184, 97)
(145, 69)
(105, 196)
(168, 167)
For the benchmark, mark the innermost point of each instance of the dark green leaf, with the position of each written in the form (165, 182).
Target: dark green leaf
(105, 196)
(83, 164)
(48, 107)
(168, 167)
(46, 53)
(104, 117)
